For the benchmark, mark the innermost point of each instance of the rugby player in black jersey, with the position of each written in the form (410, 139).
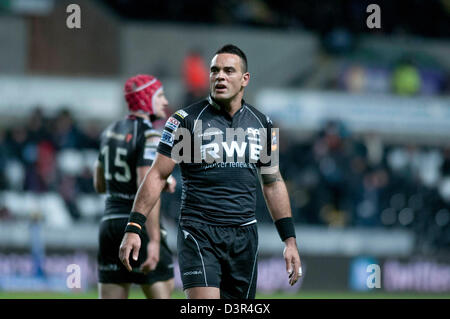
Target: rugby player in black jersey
(217, 238)
(127, 150)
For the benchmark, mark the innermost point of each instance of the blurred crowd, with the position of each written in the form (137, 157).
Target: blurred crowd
(421, 18)
(334, 178)
(29, 156)
(404, 76)
(339, 180)
(338, 25)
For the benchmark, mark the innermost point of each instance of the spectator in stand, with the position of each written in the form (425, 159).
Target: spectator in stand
(16, 141)
(37, 131)
(66, 133)
(3, 158)
(40, 154)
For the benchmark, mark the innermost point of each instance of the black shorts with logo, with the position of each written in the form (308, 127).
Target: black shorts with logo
(111, 269)
(219, 256)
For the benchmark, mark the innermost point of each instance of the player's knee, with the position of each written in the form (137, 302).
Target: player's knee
(113, 291)
(159, 290)
(203, 293)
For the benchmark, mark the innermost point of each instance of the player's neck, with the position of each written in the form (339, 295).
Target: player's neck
(233, 105)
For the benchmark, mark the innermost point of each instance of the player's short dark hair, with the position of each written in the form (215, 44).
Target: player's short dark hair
(230, 48)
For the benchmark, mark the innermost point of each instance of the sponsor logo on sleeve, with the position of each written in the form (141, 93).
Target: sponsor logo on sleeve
(172, 123)
(167, 138)
(181, 114)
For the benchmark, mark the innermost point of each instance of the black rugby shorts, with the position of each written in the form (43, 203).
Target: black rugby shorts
(218, 256)
(111, 269)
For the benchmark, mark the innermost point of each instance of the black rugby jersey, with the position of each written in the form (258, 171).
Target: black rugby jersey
(219, 170)
(123, 148)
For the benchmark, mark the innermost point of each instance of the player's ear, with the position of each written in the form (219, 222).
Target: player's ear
(245, 79)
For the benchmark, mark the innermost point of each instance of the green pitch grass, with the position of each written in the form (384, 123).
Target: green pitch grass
(137, 294)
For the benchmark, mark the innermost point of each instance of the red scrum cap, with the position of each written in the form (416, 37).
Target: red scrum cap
(140, 91)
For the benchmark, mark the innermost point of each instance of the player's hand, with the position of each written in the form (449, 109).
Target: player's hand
(152, 257)
(292, 259)
(130, 242)
(170, 187)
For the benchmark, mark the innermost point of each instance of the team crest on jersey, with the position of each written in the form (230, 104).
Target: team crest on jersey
(167, 138)
(172, 123)
(181, 114)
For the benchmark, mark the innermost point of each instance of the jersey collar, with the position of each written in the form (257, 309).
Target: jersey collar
(216, 106)
(213, 103)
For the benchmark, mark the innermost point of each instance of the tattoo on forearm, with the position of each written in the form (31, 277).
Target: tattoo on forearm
(271, 178)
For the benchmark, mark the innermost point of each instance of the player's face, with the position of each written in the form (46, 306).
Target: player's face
(226, 77)
(159, 104)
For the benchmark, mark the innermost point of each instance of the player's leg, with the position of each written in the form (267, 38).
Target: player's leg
(159, 290)
(240, 272)
(202, 293)
(113, 291)
(198, 258)
(113, 279)
(159, 283)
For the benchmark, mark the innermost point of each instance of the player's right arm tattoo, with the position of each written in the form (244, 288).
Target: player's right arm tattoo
(271, 178)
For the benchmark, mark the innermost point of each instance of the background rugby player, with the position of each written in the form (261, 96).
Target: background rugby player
(217, 238)
(127, 150)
